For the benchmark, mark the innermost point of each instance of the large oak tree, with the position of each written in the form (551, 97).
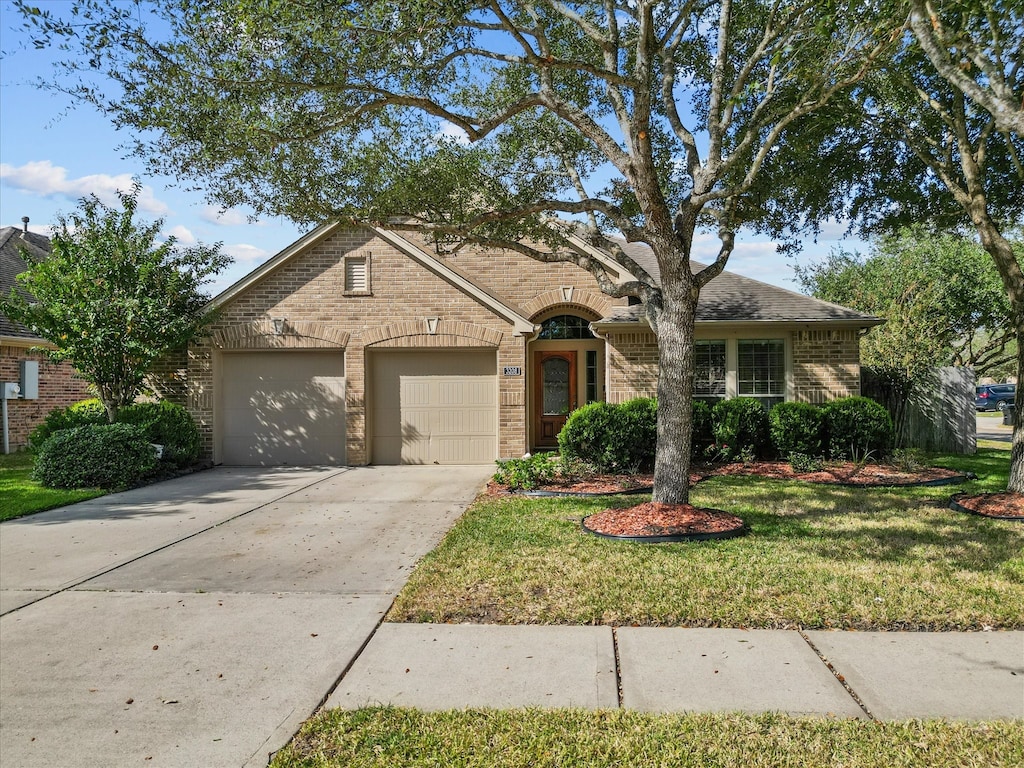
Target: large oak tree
(647, 119)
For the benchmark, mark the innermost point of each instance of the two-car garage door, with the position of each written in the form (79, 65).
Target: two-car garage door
(288, 407)
(436, 407)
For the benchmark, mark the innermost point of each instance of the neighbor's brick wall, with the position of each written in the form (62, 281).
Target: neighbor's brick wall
(826, 365)
(59, 387)
(310, 290)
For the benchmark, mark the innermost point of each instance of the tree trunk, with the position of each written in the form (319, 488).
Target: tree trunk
(1002, 253)
(1016, 481)
(675, 397)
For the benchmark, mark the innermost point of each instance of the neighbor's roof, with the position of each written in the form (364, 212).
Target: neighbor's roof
(736, 299)
(12, 241)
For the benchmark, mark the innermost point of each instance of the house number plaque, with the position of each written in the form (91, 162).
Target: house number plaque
(513, 370)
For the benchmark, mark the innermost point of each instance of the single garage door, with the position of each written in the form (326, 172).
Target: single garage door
(437, 407)
(282, 408)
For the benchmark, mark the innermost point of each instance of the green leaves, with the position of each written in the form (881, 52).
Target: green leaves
(112, 297)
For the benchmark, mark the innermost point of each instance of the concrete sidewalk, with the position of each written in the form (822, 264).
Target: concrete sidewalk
(882, 675)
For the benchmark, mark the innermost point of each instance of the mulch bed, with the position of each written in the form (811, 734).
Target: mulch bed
(654, 522)
(1001, 506)
(834, 473)
(846, 473)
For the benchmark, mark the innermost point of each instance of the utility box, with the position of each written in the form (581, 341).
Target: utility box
(10, 390)
(29, 375)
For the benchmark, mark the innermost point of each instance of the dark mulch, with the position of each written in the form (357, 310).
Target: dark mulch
(1003, 506)
(837, 473)
(844, 473)
(658, 521)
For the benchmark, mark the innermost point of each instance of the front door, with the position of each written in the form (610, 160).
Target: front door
(554, 395)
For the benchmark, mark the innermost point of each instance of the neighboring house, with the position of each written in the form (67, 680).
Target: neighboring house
(365, 346)
(59, 384)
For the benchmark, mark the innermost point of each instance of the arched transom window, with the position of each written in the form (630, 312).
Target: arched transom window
(565, 327)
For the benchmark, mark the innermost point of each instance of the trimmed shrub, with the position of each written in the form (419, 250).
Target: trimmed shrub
(77, 414)
(632, 442)
(526, 473)
(587, 434)
(857, 428)
(612, 438)
(796, 428)
(95, 455)
(741, 428)
(168, 425)
(703, 429)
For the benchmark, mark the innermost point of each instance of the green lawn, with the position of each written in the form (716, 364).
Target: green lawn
(21, 495)
(817, 557)
(389, 737)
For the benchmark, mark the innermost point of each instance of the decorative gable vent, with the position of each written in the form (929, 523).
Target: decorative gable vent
(357, 274)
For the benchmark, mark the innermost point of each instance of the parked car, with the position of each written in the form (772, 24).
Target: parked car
(994, 397)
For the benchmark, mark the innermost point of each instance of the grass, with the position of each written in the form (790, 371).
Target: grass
(573, 738)
(817, 557)
(21, 495)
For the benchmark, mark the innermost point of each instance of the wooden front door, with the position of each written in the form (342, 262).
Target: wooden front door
(554, 395)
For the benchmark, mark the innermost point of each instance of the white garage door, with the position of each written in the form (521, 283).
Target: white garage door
(282, 408)
(437, 407)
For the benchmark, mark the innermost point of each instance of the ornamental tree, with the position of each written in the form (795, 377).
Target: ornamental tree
(941, 296)
(484, 121)
(111, 298)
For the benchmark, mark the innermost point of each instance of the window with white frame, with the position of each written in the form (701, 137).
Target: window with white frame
(357, 274)
(710, 370)
(761, 370)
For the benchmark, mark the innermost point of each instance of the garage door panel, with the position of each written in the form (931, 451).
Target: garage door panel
(446, 409)
(282, 408)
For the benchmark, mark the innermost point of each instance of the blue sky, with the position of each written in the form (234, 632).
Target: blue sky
(52, 154)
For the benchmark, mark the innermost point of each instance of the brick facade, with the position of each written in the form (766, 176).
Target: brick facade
(826, 365)
(308, 294)
(59, 387)
(413, 305)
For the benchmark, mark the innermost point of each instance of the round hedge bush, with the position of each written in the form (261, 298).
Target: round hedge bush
(741, 424)
(702, 429)
(857, 428)
(168, 425)
(633, 441)
(75, 415)
(796, 428)
(587, 434)
(95, 455)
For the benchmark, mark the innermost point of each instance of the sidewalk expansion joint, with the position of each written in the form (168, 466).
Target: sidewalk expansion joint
(618, 665)
(842, 680)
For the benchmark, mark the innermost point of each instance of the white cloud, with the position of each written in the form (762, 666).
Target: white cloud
(228, 218)
(245, 252)
(182, 234)
(43, 178)
(452, 132)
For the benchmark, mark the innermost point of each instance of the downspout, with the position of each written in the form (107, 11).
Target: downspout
(7, 441)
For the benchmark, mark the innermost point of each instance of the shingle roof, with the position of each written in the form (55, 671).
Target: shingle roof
(734, 298)
(12, 241)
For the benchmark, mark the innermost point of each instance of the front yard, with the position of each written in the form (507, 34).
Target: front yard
(21, 495)
(817, 557)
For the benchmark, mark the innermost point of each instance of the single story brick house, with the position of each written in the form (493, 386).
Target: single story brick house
(367, 346)
(59, 383)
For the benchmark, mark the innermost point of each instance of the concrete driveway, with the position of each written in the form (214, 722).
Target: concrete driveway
(201, 620)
